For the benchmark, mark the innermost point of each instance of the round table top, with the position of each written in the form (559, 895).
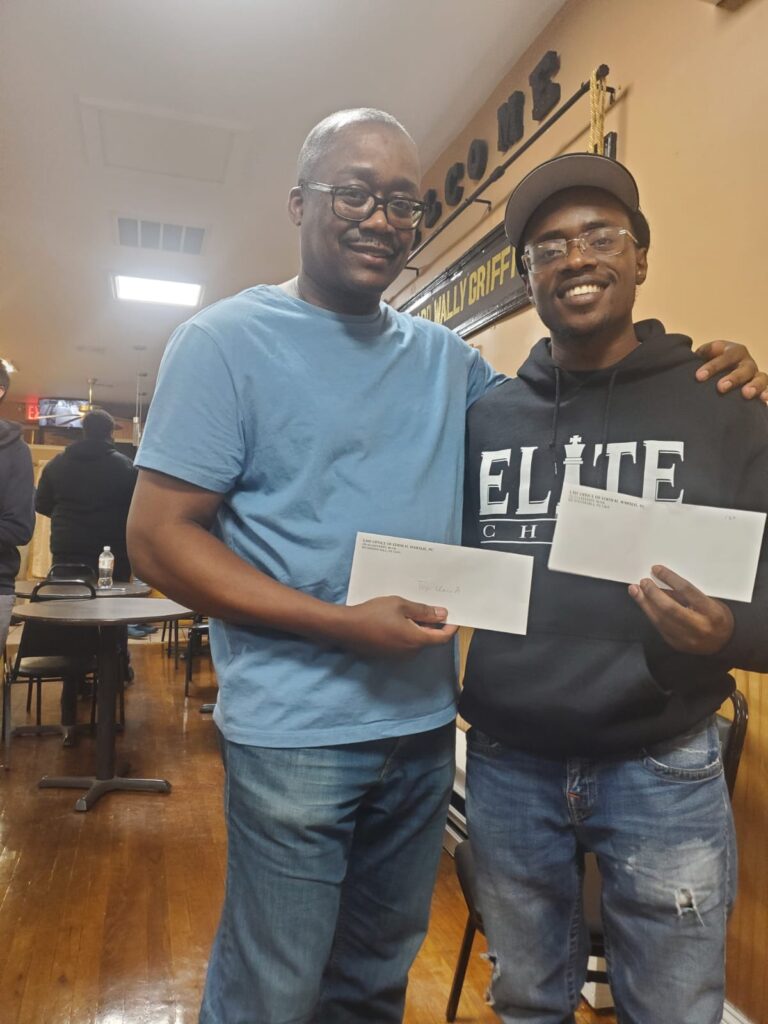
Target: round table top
(24, 588)
(88, 612)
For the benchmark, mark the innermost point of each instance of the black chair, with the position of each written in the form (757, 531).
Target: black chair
(69, 571)
(171, 631)
(48, 654)
(196, 634)
(72, 588)
(732, 734)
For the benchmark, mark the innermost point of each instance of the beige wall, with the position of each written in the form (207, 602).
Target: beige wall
(691, 118)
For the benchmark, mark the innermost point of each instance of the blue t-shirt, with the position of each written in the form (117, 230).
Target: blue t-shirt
(313, 426)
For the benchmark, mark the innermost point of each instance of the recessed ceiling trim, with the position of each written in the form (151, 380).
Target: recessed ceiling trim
(123, 137)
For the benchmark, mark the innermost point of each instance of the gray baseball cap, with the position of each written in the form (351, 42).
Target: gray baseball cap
(572, 170)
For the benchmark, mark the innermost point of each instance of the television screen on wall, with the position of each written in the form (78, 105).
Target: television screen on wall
(60, 412)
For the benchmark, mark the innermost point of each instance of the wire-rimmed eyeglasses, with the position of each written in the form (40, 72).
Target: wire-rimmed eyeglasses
(602, 241)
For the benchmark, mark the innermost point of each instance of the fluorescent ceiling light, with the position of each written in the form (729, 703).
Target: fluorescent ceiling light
(149, 289)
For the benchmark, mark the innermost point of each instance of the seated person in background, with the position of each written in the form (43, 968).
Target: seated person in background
(595, 732)
(87, 491)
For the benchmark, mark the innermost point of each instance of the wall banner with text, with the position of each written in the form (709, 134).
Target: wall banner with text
(474, 291)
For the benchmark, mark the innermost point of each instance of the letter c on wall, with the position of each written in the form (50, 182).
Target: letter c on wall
(453, 190)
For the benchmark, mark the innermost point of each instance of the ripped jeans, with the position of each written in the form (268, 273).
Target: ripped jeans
(661, 827)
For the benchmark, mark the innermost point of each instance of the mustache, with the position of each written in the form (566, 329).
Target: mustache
(374, 240)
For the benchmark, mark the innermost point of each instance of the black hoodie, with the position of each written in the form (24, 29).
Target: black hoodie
(87, 492)
(17, 496)
(593, 677)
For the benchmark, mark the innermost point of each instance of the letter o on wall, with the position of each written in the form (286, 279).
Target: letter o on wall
(453, 190)
(477, 159)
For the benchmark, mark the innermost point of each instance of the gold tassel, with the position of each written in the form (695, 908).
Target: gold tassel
(597, 93)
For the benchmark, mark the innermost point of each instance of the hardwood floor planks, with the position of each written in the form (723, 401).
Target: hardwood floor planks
(107, 917)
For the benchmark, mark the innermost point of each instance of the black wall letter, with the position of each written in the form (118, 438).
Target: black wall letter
(433, 208)
(477, 159)
(453, 190)
(509, 118)
(546, 94)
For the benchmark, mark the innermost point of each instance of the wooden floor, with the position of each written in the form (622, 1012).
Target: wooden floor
(107, 917)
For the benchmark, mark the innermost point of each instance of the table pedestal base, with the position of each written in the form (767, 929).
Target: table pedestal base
(98, 787)
(37, 730)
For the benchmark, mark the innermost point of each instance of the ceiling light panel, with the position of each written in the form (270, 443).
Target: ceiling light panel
(149, 289)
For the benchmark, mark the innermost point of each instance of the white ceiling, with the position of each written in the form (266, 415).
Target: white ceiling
(192, 112)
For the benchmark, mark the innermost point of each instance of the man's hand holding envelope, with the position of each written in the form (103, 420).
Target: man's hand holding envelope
(619, 537)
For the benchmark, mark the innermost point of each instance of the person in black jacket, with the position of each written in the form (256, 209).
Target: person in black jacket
(17, 511)
(595, 731)
(87, 492)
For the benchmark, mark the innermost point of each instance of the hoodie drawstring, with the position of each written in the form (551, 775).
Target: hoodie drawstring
(606, 420)
(555, 417)
(606, 424)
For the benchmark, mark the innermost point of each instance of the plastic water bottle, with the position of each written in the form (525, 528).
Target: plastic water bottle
(106, 568)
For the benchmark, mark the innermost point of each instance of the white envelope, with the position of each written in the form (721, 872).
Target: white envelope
(618, 537)
(484, 589)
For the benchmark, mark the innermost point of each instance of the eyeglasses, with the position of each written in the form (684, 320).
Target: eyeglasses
(604, 241)
(350, 202)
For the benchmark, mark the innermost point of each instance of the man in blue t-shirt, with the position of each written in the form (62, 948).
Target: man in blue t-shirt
(285, 420)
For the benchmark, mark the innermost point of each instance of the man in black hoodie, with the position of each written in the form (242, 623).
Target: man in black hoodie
(17, 511)
(595, 732)
(87, 492)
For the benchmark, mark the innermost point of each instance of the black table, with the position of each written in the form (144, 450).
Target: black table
(24, 588)
(109, 616)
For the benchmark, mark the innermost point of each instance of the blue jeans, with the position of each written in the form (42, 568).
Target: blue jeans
(332, 859)
(660, 824)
